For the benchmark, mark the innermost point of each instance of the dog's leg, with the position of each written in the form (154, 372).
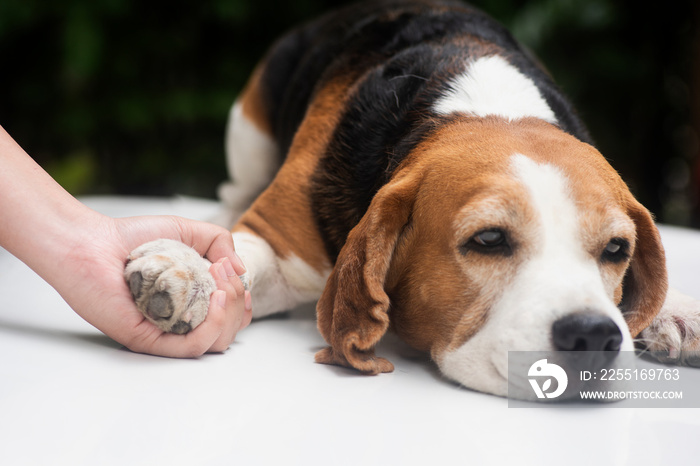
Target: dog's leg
(171, 284)
(674, 334)
(252, 156)
(278, 236)
(276, 283)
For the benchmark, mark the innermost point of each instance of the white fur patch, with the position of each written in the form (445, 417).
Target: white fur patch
(492, 86)
(276, 284)
(251, 155)
(558, 278)
(252, 160)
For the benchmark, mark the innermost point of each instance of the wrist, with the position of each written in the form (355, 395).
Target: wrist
(64, 245)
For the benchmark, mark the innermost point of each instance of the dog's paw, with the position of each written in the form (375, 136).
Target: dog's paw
(674, 335)
(170, 283)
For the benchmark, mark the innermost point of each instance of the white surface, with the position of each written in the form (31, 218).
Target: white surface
(69, 395)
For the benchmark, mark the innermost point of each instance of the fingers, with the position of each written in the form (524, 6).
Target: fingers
(232, 299)
(211, 241)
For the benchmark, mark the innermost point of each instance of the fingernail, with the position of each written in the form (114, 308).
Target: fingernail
(228, 268)
(238, 263)
(222, 270)
(248, 301)
(221, 298)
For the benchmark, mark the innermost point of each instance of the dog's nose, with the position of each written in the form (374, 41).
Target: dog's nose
(586, 332)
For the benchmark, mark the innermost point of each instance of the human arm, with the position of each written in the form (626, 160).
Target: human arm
(81, 253)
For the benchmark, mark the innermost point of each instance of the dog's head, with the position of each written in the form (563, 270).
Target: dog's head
(495, 236)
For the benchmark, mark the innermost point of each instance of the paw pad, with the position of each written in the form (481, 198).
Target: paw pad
(171, 284)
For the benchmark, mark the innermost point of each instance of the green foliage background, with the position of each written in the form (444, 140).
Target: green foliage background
(131, 97)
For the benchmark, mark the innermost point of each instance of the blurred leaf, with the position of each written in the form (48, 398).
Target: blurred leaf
(82, 45)
(76, 172)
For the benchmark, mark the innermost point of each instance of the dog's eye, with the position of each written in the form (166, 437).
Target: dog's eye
(490, 241)
(612, 248)
(617, 250)
(490, 238)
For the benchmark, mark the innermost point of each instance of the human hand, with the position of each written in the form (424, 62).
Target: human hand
(92, 284)
(82, 255)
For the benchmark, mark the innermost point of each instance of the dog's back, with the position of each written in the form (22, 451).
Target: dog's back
(398, 58)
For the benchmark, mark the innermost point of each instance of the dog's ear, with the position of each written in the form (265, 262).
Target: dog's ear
(645, 284)
(353, 308)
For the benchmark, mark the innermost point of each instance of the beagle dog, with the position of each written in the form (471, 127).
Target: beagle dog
(408, 165)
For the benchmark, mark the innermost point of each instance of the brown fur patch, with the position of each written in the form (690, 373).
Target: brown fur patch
(646, 281)
(282, 214)
(252, 104)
